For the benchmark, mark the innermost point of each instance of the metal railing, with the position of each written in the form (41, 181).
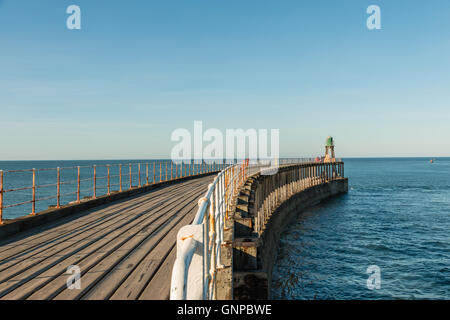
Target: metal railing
(275, 190)
(199, 244)
(194, 275)
(91, 181)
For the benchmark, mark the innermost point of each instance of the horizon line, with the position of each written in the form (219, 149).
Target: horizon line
(137, 159)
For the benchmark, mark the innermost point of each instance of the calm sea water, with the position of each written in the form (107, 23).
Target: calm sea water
(396, 216)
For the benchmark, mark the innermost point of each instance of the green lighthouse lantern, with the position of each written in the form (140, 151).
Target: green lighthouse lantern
(330, 142)
(329, 148)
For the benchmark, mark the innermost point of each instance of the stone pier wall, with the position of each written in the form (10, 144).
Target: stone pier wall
(264, 207)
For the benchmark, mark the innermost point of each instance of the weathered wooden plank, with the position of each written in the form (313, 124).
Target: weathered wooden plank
(91, 277)
(33, 273)
(88, 256)
(159, 286)
(156, 247)
(140, 233)
(51, 231)
(75, 243)
(136, 282)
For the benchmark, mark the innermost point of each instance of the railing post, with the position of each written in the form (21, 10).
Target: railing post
(78, 184)
(171, 170)
(160, 172)
(176, 170)
(139, 174)
(310, 175)
(320, 173)
(131, 178)
(58, 188)
(1, 197)
(166, 173)
(146, 172)
(109, 181)
(95, 182)
(154, 172)
(33, 201)
(120, 177)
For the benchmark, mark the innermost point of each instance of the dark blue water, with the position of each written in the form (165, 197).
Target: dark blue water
(396, 216)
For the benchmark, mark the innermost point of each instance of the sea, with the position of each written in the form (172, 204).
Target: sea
(387, 238)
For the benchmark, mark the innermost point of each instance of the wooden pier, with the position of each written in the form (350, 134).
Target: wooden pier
(124, 249)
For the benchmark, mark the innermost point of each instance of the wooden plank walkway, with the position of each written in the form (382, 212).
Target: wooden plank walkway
(125, 249)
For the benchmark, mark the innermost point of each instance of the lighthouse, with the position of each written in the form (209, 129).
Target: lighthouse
(329, 151)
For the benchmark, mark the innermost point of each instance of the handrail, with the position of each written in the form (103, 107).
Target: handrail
(206, 234)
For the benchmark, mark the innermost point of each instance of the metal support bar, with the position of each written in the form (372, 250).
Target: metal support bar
(109, 181)
(95, 182)
(1, 197)
(33, 201)
(58, 188)
(120, 178)
(131, 178)
(78, 185)
(139, 174)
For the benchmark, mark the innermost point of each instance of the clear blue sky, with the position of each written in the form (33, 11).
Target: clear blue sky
(140, 69)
